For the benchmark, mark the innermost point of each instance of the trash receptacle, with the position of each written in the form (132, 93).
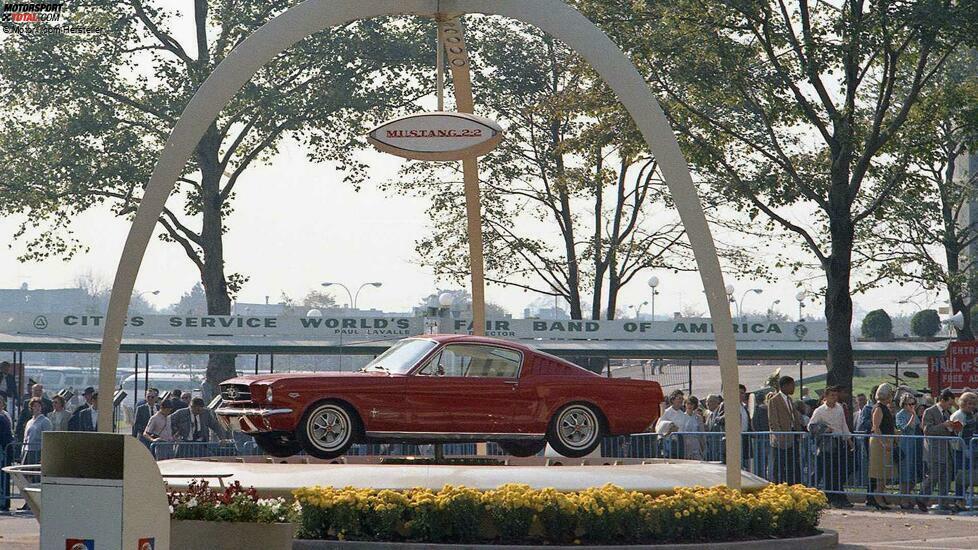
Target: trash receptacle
(101, 491)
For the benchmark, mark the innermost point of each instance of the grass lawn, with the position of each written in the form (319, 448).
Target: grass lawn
(864, 384)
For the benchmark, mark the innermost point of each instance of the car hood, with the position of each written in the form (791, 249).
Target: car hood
(332, 375)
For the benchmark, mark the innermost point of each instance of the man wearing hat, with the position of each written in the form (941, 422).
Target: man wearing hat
(74, 423)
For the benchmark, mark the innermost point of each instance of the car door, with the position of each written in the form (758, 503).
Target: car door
(467, 389)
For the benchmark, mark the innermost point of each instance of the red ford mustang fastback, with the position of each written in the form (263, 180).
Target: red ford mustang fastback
(441, 388)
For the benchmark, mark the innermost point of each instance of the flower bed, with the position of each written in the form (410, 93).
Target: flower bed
(233, 503)
(519, 514)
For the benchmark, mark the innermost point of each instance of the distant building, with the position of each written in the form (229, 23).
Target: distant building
(534, 312)
(54, 300)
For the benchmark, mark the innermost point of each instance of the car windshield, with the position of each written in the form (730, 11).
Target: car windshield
(402, 356)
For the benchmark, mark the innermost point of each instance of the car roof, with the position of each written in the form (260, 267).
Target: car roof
(468, 338)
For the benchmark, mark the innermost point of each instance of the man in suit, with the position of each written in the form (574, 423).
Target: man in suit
(74, 423)
(6, 453)
(936, 422)
(194, 424)
(783, 417)
(88, 418)
(8, 384)
(144, 412)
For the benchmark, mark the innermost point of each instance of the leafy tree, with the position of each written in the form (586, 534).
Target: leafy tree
(877, 325)
(319, 300)
(786, 109)
(86, 117)
(925, 323)
(927, 234)
(572, 199)
(193, 302)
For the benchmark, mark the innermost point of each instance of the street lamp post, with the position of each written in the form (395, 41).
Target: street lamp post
(353, 297)
(770, 309)
(801, 303)
(910, 301)
(638, 310)
(740, 304)
(653, 283)
(730, 294)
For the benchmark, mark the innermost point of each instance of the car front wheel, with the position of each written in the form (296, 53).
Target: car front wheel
(278, 445)
(327, 429)
(575, 430)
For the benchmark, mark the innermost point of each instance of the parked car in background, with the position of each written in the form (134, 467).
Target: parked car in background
(432, 389)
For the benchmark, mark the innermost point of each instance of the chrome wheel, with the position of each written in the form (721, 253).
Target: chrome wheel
(329, 427)
(577, 427)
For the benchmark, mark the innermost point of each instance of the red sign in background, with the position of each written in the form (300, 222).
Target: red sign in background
(957, 369)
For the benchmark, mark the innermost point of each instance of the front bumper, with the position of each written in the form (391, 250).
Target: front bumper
(250, 420)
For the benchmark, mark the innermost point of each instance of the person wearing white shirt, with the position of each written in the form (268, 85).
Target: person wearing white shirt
(828, 425)
(673, 419)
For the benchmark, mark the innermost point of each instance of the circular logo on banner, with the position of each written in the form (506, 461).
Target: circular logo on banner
(801, 331)
(41, 322)
(437, 136)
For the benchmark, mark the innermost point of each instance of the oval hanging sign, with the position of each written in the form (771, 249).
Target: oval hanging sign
(437, 136)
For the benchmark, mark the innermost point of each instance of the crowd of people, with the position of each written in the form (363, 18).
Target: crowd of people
(175, 417)
(894, 439)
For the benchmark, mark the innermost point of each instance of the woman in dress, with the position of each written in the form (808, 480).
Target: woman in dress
(911, 448)
(881, 447)
(694, 444)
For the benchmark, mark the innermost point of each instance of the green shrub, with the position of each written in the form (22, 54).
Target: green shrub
(925, 323)
(877, 325)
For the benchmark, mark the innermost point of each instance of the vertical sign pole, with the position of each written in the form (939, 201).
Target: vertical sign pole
(453, 41)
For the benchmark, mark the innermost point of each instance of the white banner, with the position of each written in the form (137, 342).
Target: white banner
(624, 329)
(391, 328)
(300, 328)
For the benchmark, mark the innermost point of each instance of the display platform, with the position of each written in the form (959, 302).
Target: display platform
(653, 477)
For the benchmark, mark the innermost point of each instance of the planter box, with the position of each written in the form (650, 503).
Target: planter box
(826, 539)
(213, 535)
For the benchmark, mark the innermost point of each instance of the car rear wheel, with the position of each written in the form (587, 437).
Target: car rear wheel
(278, 445)
(575, 430)
(522, 448)
(328, 429)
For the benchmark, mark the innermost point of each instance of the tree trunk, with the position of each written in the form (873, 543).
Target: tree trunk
(954, 290)
(838, 300)
(220, 367)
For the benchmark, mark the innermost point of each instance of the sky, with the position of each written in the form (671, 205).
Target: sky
(296, 225)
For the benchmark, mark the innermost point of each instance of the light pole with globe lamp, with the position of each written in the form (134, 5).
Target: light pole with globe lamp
(801, 303)
(730, 294)
(740, 304)
(653, 283)
(353, 297)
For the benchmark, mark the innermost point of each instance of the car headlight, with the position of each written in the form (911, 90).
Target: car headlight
(268, 395)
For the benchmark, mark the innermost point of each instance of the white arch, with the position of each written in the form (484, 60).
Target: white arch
(553, 17)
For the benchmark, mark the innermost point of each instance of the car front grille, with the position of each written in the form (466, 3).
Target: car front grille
(235, 392)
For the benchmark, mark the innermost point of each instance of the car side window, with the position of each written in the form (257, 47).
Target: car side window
(477, 361)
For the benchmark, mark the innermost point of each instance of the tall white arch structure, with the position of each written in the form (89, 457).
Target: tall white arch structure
(553, 17)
